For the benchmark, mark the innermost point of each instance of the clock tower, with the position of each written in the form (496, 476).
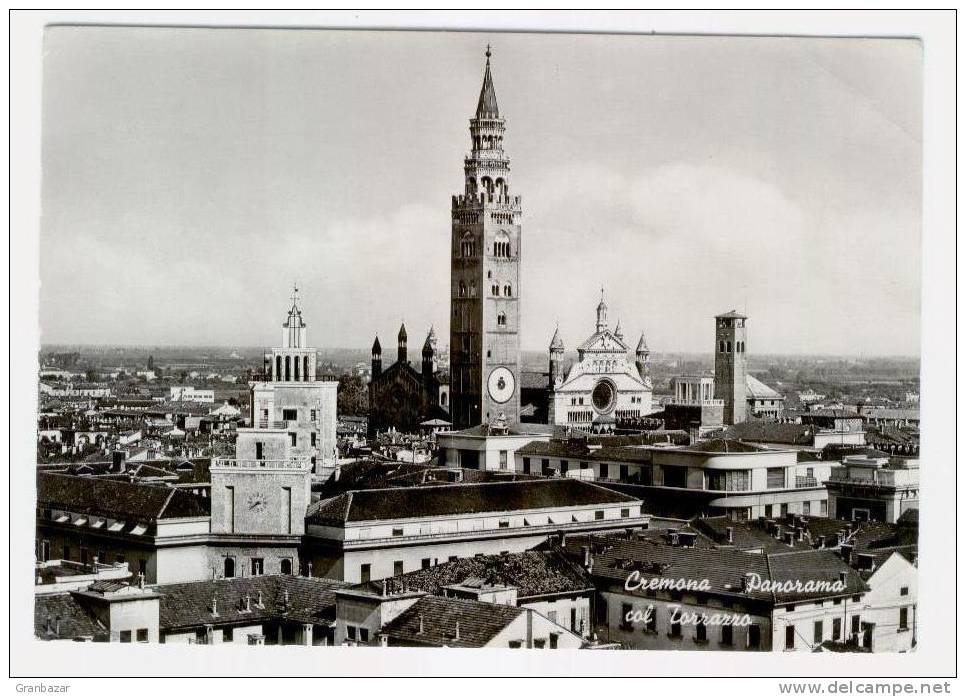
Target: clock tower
(485, 277)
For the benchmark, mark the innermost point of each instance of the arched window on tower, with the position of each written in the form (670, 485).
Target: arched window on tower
(495, 289)
(229, 567)
(472, 289)
(297, 369)
(729, 347)
(278, 368)
(501, 247)
(288, 368)
(462, 290)
(508, 290)
(501, 319)
(305, 368)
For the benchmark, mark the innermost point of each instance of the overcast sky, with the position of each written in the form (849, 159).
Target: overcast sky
(190, 176)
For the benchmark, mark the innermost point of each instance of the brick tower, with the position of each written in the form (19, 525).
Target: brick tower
(731, 366)
(485, 277)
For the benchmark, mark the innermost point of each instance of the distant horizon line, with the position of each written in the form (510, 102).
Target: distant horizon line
(236, 347)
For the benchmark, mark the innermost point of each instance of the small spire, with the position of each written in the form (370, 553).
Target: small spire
(642, 344)
(487, 107)
(556, 343)
(376, 347)
(601, 312)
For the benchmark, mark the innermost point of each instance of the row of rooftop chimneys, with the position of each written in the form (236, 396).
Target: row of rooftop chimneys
(247, 606)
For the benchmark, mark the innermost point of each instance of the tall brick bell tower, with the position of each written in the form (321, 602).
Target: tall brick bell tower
(731, 366)
(485, 277)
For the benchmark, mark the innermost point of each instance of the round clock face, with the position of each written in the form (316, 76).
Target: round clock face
(501, 384)
(257, 502)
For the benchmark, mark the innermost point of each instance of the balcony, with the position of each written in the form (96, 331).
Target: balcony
(265, 423)
(293, 463)
(806, 482)
(680, 402)
(875, 477)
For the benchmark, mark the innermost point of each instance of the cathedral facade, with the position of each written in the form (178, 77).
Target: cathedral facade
(485, 277)
(603, 388)
(401, 396)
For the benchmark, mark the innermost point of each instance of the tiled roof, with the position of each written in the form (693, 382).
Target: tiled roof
(759, 390)
(186, 605)
(532, 573)
(114, 499)
(74, 620)
(534, 380)
(456, 499)
(615, 558)
(815, 565)
(432, 621)
(771, 432)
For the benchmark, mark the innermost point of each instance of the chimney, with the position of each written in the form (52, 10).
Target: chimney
(260, 603)
(141, 581)
(383, 640)
(731, 534)
(117, 461)
(310, 569)
(420, 625)
(821, 542)
(586, 551)
(248, 603)
(457, 630)
(789, 539)
(846, 552)
(214, 606)
(842, 577)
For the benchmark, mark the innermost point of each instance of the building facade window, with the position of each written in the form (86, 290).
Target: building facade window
(258, 566)
(754, 636)
(397, 568)
(789, 637)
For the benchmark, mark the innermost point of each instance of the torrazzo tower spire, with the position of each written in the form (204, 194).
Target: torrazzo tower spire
(485, 281)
